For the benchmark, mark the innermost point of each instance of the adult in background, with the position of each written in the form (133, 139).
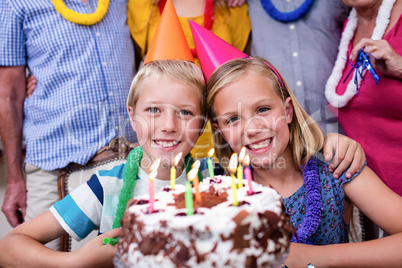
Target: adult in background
(84, 64)
(373, 117)
(302, 44)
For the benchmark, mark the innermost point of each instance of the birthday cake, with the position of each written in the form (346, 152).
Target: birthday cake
(255, 233)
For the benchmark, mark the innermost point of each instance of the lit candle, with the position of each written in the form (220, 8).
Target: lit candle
(151, 185)
(151, 189)
(173, 170)
(196, 164)
(209, 162)
(155, 165)
(196, 181)
(247, 173)
(232, 170)
(188, 195)
(240, 167)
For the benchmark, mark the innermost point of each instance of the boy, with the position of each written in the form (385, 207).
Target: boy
(167, 111)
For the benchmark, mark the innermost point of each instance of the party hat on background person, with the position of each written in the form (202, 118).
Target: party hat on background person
(212, 51)
(169, 41)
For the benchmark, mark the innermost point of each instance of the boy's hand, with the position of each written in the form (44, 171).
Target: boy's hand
(343, 152)
(95, 253)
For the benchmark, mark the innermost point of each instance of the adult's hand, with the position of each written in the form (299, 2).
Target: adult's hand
(343, 152)
(386, 59)
(15, 199)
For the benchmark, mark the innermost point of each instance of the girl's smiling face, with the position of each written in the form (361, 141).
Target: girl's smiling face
(249, 113)
(167, 119)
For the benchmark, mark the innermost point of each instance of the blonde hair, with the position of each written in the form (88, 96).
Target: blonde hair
(181, 71)
(306, 137)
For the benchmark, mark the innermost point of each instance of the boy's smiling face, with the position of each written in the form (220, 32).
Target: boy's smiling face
(167, 119)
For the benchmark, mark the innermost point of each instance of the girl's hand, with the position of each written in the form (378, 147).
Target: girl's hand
(300, 255)
(95, 253)
(385, 60)
(343, 152)
(234, 3)
(31, 85)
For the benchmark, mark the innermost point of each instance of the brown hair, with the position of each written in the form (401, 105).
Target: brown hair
(306, 137)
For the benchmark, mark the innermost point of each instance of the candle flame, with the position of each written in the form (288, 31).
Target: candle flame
(152, 176)
(233, 163)
(246, 160)
(155, 165)
(196, 165)
(242, 154)
(192, 174)
(211, 152)
(177, 159)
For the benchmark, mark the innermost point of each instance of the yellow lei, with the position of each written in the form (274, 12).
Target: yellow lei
(83, 19)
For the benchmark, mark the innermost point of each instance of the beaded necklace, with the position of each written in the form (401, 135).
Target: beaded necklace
(286, 16)
(83, 19)
(312, 219)
(129, 178)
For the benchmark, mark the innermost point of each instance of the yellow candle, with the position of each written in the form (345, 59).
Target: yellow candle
(232, 170)
(240, 175)
(240, 167)
(172, 177)
(173, 170)
(234, 187)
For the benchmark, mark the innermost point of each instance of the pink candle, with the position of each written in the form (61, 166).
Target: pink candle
(151, 185)
(151, 194)
(247, 174)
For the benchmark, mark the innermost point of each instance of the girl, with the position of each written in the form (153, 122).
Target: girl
(251, 106)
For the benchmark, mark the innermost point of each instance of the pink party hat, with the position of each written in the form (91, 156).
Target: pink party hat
(212, 51)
